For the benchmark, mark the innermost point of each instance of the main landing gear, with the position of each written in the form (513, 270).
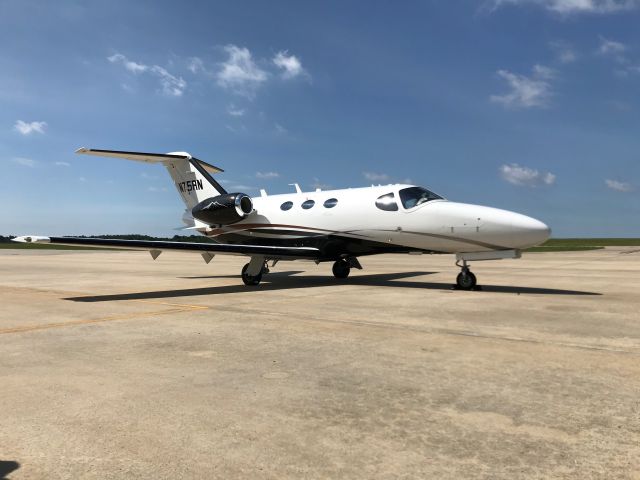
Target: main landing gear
(341, 269)
(465, 280)
(252, 280)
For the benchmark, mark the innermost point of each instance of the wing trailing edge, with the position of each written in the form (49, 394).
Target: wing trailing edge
(272, 252)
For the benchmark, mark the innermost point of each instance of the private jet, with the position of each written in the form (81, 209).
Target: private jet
(338, 226)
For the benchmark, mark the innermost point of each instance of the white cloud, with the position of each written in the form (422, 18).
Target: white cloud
(618, 186)
(27, 128)
(25, 162)
(289, 64)
(63, 164)
(82, 179)
(238, 129)
(156, 189)
(235, 111)
(616, 51)
(280, 129)
(526, 92)
(564, 52)
(195, 65)
(526, 177)
(171, 85)
(375, 177)
(317, 184)
(240, 73)
(267, 175)
(611, 48)
(568, 7)
(540, 71)
(130, 65)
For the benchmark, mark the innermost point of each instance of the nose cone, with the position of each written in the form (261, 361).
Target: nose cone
(507, 229)
(527, 231)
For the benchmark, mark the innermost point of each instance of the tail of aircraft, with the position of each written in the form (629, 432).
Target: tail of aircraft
(192, 177)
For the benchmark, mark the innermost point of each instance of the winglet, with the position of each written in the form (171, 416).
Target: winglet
(31, 239)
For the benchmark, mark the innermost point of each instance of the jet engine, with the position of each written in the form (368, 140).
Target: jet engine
(223, 209)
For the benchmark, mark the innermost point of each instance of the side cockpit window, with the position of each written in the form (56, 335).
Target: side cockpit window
(414, 196)
(387, 202)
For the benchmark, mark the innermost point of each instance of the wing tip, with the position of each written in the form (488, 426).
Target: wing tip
(83, 150)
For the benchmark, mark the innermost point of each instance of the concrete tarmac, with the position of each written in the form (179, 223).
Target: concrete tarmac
(116, 366)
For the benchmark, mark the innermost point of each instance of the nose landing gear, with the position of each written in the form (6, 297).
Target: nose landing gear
(465, 280)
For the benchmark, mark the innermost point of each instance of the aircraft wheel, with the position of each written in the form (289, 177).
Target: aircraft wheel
(466, 280)
(250, 280)
(341, 269)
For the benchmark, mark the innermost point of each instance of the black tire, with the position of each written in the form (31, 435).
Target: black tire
(250, 280)
(341, 269)
(466, 280)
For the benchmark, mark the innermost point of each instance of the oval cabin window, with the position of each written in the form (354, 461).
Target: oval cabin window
(308, 204)
(286, 206)
(332, 202)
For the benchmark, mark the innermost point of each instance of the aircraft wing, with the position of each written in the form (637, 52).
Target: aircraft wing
(270, 252)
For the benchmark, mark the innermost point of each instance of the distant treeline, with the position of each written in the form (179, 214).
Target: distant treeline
(175, 238)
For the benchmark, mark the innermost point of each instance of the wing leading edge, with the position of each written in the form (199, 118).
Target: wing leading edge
(272, 252)
(147, 157)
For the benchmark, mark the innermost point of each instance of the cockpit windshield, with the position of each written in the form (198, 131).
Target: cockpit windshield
(414, 196)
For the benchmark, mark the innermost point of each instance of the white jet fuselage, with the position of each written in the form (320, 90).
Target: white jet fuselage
(437, 225)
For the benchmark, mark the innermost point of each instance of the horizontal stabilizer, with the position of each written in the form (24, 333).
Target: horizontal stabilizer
(148, 157)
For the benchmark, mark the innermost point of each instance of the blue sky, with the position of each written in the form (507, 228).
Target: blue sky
(528, 105)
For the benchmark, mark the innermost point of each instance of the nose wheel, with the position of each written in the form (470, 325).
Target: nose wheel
(466, 280)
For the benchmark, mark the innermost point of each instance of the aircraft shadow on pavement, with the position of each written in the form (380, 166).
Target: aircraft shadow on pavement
(270, 275)
(287, 281)
(6, 467)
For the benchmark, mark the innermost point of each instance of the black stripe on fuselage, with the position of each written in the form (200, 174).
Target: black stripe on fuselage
(281, 231)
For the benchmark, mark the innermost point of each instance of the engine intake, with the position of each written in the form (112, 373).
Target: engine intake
(223, 209)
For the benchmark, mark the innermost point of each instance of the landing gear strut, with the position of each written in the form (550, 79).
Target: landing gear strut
(465, 280)
(341, 268)
(252, 280)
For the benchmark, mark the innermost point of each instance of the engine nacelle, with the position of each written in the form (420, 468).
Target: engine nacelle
(223, 209)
